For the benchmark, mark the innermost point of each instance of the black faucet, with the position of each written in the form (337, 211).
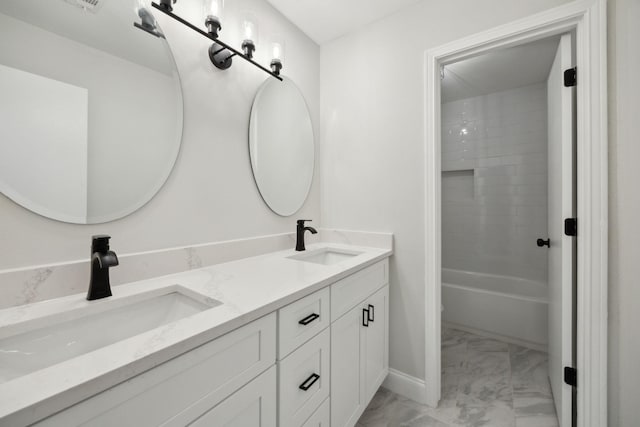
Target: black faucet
(300, 229)
(101, 259)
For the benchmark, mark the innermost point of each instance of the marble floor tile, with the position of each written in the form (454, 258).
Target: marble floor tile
(537, 421)
(485, 383)
(529, 370)
(533, 406)
(478, 343)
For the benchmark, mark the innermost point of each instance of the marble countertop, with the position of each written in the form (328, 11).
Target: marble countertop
(248, 289)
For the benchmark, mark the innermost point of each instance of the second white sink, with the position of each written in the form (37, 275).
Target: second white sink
(53, 339)
(325, 256)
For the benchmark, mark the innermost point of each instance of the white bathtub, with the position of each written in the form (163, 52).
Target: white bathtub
(506, 307)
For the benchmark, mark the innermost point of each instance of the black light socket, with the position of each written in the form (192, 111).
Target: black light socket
(276, 66)
(213, 26)
(248, 47)
(167, 5)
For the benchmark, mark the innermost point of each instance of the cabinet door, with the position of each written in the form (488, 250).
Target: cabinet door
(346, 370)
(320, 418)
(254, 405)
(376, 342)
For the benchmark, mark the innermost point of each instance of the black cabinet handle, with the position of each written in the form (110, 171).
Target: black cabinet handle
(306, 385)
(371, 313)
(542, 243)
(365, 317)
(310, 318)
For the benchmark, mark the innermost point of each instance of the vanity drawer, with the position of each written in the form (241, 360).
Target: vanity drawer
(350, 291)
(320, 418)
(304, 381)
(180, 390)
(302, 320)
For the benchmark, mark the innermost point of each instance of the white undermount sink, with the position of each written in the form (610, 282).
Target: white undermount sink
(325, 256)
(52, 339)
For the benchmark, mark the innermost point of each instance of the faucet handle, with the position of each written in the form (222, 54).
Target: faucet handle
(302, 221)
(100, 243)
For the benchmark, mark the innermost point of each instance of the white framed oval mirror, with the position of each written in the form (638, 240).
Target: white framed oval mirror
(91, 109)
(281, 146)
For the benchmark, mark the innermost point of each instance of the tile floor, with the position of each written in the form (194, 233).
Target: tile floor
(484, 383)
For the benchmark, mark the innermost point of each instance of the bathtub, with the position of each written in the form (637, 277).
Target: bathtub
(508, 308)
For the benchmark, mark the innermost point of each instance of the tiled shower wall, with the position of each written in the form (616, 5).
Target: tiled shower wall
(494, 183)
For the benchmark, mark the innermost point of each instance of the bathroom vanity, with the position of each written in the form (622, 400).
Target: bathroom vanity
(286, 339)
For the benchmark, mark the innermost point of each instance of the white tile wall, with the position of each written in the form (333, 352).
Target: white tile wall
(500, 141)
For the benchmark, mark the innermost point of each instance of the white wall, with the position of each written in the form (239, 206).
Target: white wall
(211, 195)
(624, 212)
(372, 115)
(495, 206)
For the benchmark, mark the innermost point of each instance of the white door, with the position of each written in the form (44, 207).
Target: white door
(561, 206)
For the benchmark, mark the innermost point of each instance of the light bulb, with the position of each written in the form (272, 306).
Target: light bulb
(213, 9)
(277, 51)
(249, 31)
(250, 27)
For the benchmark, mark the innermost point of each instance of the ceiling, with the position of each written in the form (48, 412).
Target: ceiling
(109, 29)
(329, 19)
(499, 70)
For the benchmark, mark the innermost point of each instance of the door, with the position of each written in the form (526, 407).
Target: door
(561, 205)
(376, 353)
(346, 369)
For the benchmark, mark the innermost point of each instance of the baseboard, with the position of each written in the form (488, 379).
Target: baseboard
(405, 385)
(507, 339)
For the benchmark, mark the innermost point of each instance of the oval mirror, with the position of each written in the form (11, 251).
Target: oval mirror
(281, 146)
(91, 107)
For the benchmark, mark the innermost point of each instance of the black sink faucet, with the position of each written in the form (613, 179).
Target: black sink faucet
(300, 229)
(101, 259)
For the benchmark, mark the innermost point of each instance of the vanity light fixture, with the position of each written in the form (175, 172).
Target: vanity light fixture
(220, 53)
(277, 51)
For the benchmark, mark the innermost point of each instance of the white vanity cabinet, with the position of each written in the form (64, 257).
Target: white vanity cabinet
(316, 362)
(359, 343)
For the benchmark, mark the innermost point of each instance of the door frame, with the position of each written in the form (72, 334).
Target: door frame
(587, 19)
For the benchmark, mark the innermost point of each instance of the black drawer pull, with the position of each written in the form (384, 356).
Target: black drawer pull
(306, 385)
(310, 318)
(365, 317)
(371, 313)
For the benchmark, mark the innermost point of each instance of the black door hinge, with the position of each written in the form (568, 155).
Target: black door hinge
(570, 77)
(571, 226)
(570, 376)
